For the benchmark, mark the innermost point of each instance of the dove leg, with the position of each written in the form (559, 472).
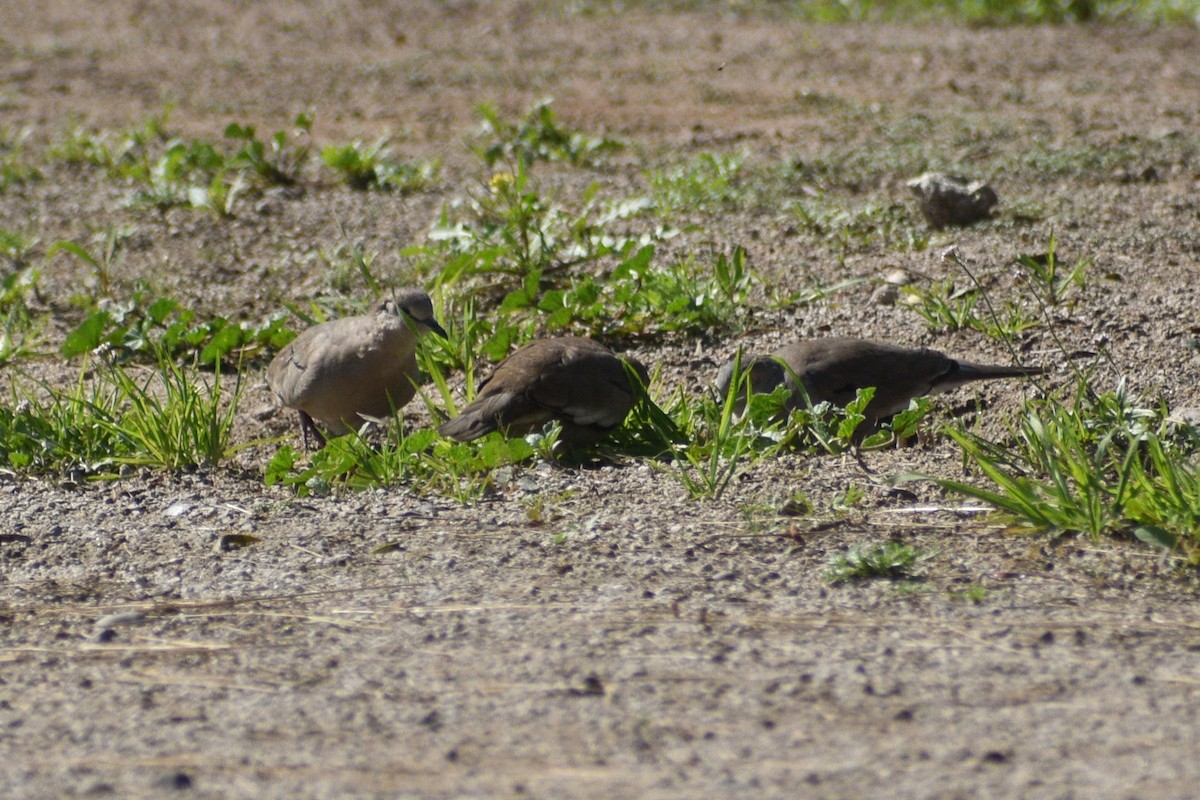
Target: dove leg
(307, 428)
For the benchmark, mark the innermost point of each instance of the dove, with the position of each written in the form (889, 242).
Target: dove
(834, 369)
(573, 380)
(365, 366)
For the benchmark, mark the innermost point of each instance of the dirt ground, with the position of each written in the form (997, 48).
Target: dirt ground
(623, 641)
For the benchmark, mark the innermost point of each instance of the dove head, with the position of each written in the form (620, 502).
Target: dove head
(761, 374)
(413, 305)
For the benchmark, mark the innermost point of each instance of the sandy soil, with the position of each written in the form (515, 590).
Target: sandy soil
(622, 641)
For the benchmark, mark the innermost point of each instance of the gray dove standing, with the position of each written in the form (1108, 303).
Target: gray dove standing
(576, 381)
(342, 370)
(834, 369)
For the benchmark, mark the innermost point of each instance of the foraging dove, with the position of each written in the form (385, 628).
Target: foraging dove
(576, 381)
(834, 369)
(341, 370)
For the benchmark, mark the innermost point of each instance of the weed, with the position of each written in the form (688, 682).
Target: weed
(422, 460)
(140, 327)
(639, 297)
(1050, 281)
(218, 196)
(102, 262)
(276, 161)
(538, 136)
(172, 418)
(16, 247)
(712, 443)
(848, 498)
(186, 172)
(162, 417)
(60, 433)
(943, 307)
(14, 167)
(995, 12)
(526, 255)
(946, 309)
(373, 167)
(855, 230)
(133, 152)
(708, 181)
(1102, 465)
(529, 254)
(79, 146)
(17, 324)
(890, 560)
(349, 265)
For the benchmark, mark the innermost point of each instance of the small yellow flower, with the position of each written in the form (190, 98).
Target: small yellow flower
(501, 181)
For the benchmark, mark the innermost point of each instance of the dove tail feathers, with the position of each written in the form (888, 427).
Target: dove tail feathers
(971, 372)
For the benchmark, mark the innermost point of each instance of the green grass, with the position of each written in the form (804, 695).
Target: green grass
(140, 328)
(15, 164)
(860, 227)
(1101, 465)
(18, 322)
(949, 305)
(17, 247)
(708, 181)
(164, 416)
(947, 308)
(421, 460)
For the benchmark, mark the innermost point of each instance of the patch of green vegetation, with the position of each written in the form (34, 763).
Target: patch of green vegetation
(705, 443)
(890, 560)
(947, 307)
(165, 417)
(944, 306)
(185, 173)
(708, 181)
(533, 259)
(887, 225)
(975, 593)
(142, 326)
(1050, 160)
(538, 136)
(101, 261)
(710, 444)
(1050, 281)
(276, 161)
(16, 247)
(169, 171)
(365, 167)
(15, 167)
(639, 297)
(80, 146)
(1103, 465)
(18, 325)
(888, 155)
(421, 460)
